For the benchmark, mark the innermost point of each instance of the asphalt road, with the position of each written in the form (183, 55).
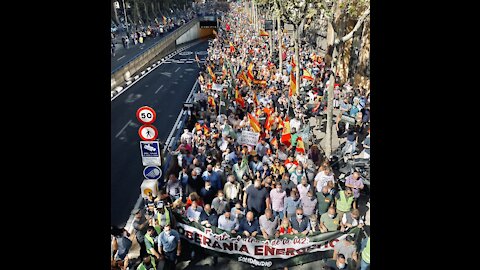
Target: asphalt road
(164, 89)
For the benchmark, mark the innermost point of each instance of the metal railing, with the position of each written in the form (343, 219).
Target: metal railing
(173, 138)
(154, 44)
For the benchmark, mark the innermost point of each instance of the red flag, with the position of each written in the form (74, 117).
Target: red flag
(254, 123)
(239, 98)
(274, 142)
(300, 146)
(255, 100)
(211, 101)
(250, 72)
(214, 78)
(293, 85)
(286, 139)
(268, 122)
(263, 33)
(307, 75)
(292, 63)
(227, 27)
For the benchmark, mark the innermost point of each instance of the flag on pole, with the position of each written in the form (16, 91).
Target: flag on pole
(286, 139)
(255, 99)
(292, 63)
(274, 142)
(239, 98)
(224, 73)
(198, 127)
(263, 33)
(293, 85)
(211, 101)
(300, 146)
(307, 75)
(250, 72)
(254, 123)
(214, 78)
(268, 122)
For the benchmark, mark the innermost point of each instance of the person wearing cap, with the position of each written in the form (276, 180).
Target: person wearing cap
(348, 249)
(140, 224)
(169, 246)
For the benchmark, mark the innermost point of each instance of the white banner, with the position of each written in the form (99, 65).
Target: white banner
(266, 249)
(248, 137)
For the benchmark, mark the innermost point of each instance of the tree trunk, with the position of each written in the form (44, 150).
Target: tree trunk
(115, 13)
(154, 13)
(330, 50)
(145, 7)
(297, 58)
(279, 33)
(362, 74)
(271, 41)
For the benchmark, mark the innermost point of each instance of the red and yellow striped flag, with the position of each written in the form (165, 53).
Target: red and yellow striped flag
(300, 146)
(255, 99)
(268, 122)
(293, 85)
(198, 127)
(254, 123)
(211, 101)
(224, 73)
(239, 98)
(292, 63)
(307, 75)
(214, 78)
(232, 48)
(261, 82)
(244, 78)
(250, 72)
(274, 142)
(286, 139)
(263, 33)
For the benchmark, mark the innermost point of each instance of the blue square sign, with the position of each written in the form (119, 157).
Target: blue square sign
(150, 151)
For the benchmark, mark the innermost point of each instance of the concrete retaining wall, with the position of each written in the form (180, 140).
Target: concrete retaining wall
(121, 76)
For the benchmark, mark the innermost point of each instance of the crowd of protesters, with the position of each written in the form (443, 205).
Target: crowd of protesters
(139, 33)
(281, 185)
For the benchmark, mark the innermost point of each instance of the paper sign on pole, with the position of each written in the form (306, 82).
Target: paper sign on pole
(249, 137)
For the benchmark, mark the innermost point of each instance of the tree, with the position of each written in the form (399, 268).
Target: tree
(334, 10)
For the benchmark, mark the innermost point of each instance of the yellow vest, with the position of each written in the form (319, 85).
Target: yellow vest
(366, 252)
(344, 204)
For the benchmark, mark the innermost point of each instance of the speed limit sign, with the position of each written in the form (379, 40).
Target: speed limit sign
(146, 115)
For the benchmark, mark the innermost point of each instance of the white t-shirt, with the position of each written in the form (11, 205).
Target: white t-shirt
(323, 179)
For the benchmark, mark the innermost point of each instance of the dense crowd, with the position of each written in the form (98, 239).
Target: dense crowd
(282, 184)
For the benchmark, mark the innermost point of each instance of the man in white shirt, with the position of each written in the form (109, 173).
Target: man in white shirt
(228, 223)
(323, 177)
(194, 211)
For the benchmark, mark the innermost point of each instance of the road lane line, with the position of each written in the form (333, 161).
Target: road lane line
(124, 127)
(159, 89)
(120, 58)
(137, 80)
(177, 69)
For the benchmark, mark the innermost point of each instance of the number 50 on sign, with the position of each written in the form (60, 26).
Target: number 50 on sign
(146, 115)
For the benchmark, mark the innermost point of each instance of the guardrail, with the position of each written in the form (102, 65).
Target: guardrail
(174, 136)
(153, 45)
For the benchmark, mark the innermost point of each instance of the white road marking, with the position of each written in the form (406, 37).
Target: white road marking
(124, 127)
(121, 58)
(159, 89)
(177, 69)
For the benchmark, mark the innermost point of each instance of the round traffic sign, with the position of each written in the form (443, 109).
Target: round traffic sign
(152, 172)
(148, 132)
(146, 115)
